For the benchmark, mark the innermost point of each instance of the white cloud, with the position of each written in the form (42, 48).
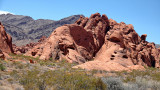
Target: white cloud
(5, 12)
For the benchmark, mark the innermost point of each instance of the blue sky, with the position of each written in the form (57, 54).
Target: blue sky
(143, 14)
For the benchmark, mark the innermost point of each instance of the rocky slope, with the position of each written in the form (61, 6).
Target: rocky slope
(113, 46)
(24, 29)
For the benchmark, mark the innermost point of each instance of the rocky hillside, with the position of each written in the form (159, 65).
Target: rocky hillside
(25, 29)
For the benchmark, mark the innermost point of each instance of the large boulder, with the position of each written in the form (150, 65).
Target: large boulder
(5, 40)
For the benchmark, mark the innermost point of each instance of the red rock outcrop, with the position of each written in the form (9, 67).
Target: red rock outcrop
(5, 40)
(77, 42)
(112, 45)
(123, 50)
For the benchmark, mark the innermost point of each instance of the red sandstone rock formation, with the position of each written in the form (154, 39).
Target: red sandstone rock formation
(76, 42)
(123, 50)
(112, 45)
(5, 40)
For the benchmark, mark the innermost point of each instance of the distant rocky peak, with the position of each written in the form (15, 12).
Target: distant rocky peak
(24, 29)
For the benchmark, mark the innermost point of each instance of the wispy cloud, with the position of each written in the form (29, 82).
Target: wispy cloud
(5, 12)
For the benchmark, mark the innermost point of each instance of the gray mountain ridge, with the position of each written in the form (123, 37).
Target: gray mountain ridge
(157, 45)
(24, 29)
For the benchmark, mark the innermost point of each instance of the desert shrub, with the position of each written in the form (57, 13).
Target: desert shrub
(60, 79)
(18, 65)
(113, 83)
(2, 67)
(94, 72)
(10, 80)
(15, 74)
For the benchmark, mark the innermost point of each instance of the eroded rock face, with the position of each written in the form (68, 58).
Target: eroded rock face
(5, 40)
(96, 24)
(112, 45)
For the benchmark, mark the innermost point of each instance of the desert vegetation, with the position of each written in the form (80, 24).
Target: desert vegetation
(134, 80)
(49, 75)
(59, 75)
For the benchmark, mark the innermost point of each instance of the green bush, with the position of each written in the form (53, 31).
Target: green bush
(2, 68)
